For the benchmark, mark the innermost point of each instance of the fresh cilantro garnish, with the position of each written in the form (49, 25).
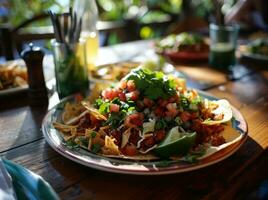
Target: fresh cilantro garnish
(93, 134)
(178, 120)
(166, 124)
(193, 156)
(98, 103)
(208, 120)
(192, 105)
(115, 119)
(83, 141)
(184, 102)
(104, 108)
(71, 144)
(116, 101)
(152, 85)
(128, 107)
(197, 100)
(102, 105)
(170, 123)
(96, 148)
(160, 124)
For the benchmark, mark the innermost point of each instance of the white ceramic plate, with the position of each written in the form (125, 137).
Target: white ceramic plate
(54, 139)
(256, 57)
(48, 67)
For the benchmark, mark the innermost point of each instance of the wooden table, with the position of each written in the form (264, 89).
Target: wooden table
(21, 141)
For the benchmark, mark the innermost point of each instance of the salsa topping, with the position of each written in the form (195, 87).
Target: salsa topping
(146, 113)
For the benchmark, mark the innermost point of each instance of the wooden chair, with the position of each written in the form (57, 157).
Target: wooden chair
(13, 37)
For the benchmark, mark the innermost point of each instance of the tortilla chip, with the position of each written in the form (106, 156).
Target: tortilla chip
(93, 111)
(224, 109)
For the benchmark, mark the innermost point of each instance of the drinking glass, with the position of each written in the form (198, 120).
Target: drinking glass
(88, 10)
(70, 68)
(223, 42)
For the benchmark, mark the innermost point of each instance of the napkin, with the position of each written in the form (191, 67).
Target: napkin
(6, 188)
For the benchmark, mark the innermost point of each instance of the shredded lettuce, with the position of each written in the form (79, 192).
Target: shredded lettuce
(148, 126)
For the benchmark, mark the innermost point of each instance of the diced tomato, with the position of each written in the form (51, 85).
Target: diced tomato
(118, 136)
(196, 125)
(131, 86)
(130, 150)
(94, 121)
(98, 140)
(171, 106)
(148, 102)
(134, 137)
(173, 99)
(115, 93)
(78, 97)
(149, 141)
(140, 104)
(134, 95)
(134, 120)
(194, 115)
(171, 113)
(162, 102)
(185, 116)
(137, 122)
(114, 107)
(159, 135)
(84, 123)
(123, 85)
(107, 94)
(159, 111)
(141, 116)
(110, 94)
(122, 96)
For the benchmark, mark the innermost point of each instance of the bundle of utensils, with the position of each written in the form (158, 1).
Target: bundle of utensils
(67, 26)
(218, 12)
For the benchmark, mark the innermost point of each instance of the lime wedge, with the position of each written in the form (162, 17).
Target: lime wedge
(176, 143)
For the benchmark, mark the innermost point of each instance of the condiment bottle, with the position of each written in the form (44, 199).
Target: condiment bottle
(88, 11)
(33, 57)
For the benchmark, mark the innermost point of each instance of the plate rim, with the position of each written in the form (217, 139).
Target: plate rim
(14, 90)
(254, 56)
(72, 155)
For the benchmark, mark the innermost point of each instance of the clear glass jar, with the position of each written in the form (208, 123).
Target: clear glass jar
(70, 68)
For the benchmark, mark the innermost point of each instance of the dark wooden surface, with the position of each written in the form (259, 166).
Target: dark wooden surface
(21, 141)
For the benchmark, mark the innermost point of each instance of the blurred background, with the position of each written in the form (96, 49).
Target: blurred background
(119, 20)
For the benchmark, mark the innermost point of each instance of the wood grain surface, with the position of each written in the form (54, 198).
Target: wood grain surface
(21, 141)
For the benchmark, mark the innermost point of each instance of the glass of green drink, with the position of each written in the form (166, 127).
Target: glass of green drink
(70, 68)
(223, 41)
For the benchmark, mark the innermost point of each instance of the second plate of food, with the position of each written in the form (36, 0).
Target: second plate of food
(256, 50)
(184, 47)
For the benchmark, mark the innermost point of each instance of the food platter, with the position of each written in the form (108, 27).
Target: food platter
(13, 70)
(184, 47)
(256, 51)
(48, 68)
(177, 57)
(255, 57)
(158, 167)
